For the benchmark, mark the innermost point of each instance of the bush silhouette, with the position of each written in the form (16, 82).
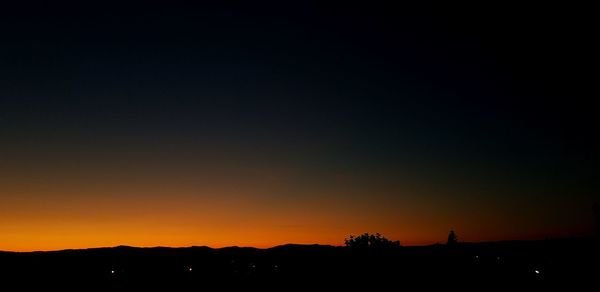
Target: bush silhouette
(370, 241)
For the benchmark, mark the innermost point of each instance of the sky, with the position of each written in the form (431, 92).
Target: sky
(259, 124)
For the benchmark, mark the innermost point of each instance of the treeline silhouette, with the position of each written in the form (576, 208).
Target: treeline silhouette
(381, 264)
(370, 241)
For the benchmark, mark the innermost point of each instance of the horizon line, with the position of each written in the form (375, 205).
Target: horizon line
(286, 244)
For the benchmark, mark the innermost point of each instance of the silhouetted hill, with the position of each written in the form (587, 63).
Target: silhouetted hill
(469, 265)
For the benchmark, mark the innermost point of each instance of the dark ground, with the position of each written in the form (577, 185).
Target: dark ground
(547, 264)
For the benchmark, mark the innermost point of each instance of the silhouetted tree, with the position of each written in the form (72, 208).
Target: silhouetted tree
(596, 209)
(452, 239)
(371, 241)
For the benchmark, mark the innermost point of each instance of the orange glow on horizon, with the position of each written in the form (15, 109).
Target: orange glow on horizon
(254, 212)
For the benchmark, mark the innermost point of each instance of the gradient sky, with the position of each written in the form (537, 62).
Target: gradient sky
(259, 125)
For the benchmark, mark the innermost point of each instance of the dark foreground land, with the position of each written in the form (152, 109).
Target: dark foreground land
(544, 264)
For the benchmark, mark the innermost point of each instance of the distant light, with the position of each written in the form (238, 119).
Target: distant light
(498, 258)
(112, 271)
(276, 266)
(190, 269)
(536, 271)
(476, 257)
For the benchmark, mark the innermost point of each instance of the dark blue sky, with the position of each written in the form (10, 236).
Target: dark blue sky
(488, 103)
